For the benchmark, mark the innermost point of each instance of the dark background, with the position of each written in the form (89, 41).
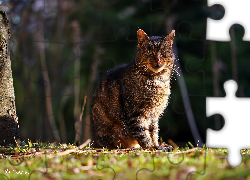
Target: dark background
(61, 48)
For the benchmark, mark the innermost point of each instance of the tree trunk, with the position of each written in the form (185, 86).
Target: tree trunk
(9, 128)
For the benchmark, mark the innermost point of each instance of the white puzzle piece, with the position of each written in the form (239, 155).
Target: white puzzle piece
(236, 132)
(236, 12)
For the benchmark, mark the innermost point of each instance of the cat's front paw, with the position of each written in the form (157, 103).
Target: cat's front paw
(164, 148)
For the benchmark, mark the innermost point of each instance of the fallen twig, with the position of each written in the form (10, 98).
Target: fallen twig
(69, 151)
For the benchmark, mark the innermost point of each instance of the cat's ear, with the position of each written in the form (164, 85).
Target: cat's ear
(141, 36)
(170, 37)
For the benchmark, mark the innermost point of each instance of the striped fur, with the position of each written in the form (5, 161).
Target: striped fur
(129, 100)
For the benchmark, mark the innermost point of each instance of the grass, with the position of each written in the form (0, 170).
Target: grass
(65, 161)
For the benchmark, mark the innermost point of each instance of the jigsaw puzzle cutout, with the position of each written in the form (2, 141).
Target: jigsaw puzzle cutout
(30, 98)
(197, 74)
(235, 12)
(236, 113)
(194, 89)
(43, 171)
(222, 33)
(233, 109)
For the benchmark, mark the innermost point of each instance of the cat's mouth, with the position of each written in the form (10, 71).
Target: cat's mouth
(157, 66)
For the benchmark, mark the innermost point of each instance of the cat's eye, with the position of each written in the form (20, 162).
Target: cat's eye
(149, 53)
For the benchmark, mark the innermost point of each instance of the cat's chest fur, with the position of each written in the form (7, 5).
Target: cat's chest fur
(151, 93)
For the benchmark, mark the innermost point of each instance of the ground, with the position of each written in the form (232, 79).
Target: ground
(66, 161)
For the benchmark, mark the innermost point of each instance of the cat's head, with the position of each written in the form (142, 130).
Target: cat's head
(155, 53)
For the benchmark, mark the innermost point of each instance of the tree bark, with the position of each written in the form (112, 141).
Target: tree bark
(9, 128)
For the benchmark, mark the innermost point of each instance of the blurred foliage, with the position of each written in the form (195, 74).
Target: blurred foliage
(108, 37)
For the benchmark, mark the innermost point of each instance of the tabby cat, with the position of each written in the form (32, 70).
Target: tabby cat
(129, 99)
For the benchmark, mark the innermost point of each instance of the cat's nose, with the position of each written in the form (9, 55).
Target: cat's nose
(157, 58)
